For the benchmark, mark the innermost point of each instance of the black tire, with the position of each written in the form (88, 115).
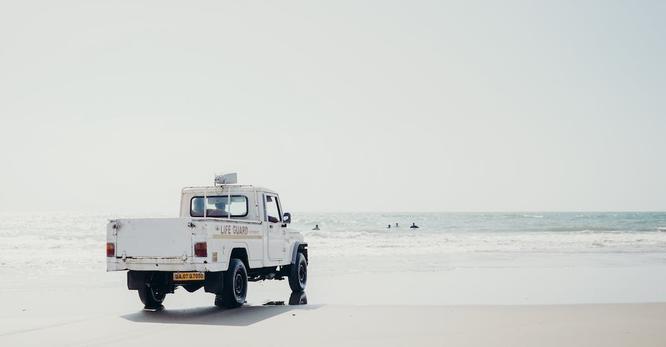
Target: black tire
(298, 274)
(234, 286)
(152, 297)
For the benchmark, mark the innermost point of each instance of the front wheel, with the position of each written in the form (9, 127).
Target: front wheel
(234, 286)
(152, 297)
(298, 274)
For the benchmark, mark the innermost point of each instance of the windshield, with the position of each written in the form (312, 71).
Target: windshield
(222, 206)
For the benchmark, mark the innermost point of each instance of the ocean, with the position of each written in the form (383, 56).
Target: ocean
(362, 242)
(492, 232)
(452, 258)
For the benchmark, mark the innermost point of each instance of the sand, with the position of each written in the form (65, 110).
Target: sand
(95, 309)
(335, 325)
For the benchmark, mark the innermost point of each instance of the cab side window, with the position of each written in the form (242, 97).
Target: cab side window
(272, 209)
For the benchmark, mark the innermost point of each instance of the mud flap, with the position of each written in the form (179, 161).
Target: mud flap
(136, 279)
(213, 282)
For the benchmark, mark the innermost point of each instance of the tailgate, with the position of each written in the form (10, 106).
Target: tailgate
(154, 237)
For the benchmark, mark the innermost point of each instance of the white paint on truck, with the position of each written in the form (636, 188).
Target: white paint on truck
(216, 224)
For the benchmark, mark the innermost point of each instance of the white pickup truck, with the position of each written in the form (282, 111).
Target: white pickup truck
(227, 234)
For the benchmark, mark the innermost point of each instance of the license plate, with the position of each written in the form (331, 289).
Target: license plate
(188, 276)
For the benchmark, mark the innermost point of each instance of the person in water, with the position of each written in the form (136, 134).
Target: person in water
(414, 226)
(316, 227)
(396, 224)
(389, 226)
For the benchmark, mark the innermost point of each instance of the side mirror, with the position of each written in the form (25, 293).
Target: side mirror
(286, 218)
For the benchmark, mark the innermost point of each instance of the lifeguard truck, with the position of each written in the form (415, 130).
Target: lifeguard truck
(227, 234)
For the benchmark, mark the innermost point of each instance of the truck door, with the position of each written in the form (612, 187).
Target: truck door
(276, 231)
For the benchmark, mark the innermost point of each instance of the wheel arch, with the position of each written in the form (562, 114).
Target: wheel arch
(240, 252)
(299, 247)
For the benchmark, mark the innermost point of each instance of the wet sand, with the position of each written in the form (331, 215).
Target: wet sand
(98, 311)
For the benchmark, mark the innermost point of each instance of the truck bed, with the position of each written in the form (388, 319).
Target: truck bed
(154, 237)
(167, 244)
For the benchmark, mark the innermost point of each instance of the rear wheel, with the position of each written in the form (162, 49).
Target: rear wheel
(152, 297)
(298, 274)
(234, 286)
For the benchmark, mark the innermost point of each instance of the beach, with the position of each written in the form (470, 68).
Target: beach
(366, 287)
(440, 173)
(105, 313)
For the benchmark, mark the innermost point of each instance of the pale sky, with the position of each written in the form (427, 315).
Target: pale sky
(338, 105)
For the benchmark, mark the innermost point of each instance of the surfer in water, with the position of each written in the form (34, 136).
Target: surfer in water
(316, 227)
(388, 226)
(396, 224)
(414, 226)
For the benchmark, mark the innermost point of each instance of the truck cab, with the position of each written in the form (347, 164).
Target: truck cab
(226, 235)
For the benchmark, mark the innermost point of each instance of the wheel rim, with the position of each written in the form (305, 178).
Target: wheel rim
(302, 273)
(157, 294)
(239, 285)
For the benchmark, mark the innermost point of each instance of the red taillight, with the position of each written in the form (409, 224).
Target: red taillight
(201, 249)
(110, 249)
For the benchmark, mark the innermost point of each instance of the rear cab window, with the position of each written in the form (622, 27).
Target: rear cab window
(219, 206)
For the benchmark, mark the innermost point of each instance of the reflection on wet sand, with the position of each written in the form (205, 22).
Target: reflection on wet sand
(296, 298)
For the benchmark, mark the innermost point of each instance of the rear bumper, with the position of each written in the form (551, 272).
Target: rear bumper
(139, 279)
(161, 264)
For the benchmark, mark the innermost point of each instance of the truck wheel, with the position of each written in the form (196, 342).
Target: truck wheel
(298, 274)
(234, 287)
(152, 297)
